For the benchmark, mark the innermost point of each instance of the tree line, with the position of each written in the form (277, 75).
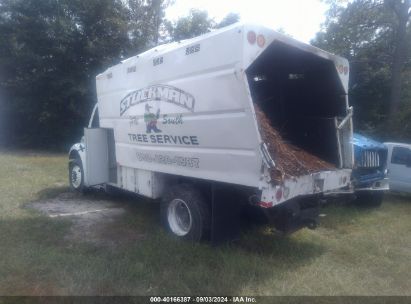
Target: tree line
(51, 51)
(375, 36)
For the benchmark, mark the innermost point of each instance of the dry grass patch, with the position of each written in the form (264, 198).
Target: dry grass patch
(355, 251)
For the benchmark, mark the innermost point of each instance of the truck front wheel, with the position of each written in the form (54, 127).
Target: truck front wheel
(76, 175)
(185, 213)
(369, 198)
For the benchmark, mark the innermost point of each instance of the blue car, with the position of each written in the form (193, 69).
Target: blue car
(369, 175)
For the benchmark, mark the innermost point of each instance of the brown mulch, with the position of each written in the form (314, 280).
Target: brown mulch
(290, 161)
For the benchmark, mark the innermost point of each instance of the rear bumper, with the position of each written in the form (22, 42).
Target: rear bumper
(312, 184)
(294, 215)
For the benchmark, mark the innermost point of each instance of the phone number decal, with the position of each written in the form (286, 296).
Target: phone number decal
(191, 162)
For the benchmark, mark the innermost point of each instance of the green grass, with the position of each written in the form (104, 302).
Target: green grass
(355, 251)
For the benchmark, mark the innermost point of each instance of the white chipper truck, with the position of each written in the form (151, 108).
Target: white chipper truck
(241, 115)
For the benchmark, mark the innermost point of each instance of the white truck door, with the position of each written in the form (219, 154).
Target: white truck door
(97, 161)
(400, 169)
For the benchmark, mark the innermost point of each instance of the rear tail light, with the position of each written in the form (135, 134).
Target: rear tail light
(260, 40)
(251, 37)
(279, 194)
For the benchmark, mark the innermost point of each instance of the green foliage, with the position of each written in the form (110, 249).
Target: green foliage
(50, 53)
(146, 20)
(364, 31)
(228, 20)
(197, 23)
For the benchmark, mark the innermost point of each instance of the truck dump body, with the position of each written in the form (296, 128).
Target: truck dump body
(297, 95)
(205, 107)
(290, 160)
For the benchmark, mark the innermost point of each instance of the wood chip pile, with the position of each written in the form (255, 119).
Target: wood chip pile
(290, 160)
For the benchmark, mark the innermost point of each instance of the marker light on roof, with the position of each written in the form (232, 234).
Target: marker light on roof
(260, 40)
(251, 37)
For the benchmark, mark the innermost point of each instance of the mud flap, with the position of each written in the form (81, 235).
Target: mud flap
(226, 206)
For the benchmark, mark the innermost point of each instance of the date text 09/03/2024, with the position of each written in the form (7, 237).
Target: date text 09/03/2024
(239, 299)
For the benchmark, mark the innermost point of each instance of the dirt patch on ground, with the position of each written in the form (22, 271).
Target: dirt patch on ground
(95, 220)
(289, 160)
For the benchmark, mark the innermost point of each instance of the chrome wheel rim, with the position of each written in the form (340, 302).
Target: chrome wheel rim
(179, 217)
(76, 176)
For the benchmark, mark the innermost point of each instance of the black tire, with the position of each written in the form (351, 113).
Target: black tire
(76, 172)
(193, 207)
(369, 198)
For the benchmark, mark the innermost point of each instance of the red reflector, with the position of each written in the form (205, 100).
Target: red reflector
(265, 204)
(260, 40)
(345, 70)
(279, 194)
(251, 37)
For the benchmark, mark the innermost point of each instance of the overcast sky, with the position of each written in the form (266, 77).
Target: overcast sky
(299, 18)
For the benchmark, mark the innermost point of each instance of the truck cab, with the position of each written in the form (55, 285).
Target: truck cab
(369, 175)
(399, 166)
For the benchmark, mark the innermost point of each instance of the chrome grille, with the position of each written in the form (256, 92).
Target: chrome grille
(369, 159)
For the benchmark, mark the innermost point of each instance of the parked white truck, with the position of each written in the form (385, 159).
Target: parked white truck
(399, 166)
(178, 123)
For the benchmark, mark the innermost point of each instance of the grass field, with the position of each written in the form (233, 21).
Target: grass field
(355, 251)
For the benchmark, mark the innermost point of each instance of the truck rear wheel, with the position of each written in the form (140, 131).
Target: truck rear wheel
(76, 175)
(185, 213)
(369, 198)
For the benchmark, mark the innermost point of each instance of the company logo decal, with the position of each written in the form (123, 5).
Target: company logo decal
(164, 93)
(153, 97)
(151, 120)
